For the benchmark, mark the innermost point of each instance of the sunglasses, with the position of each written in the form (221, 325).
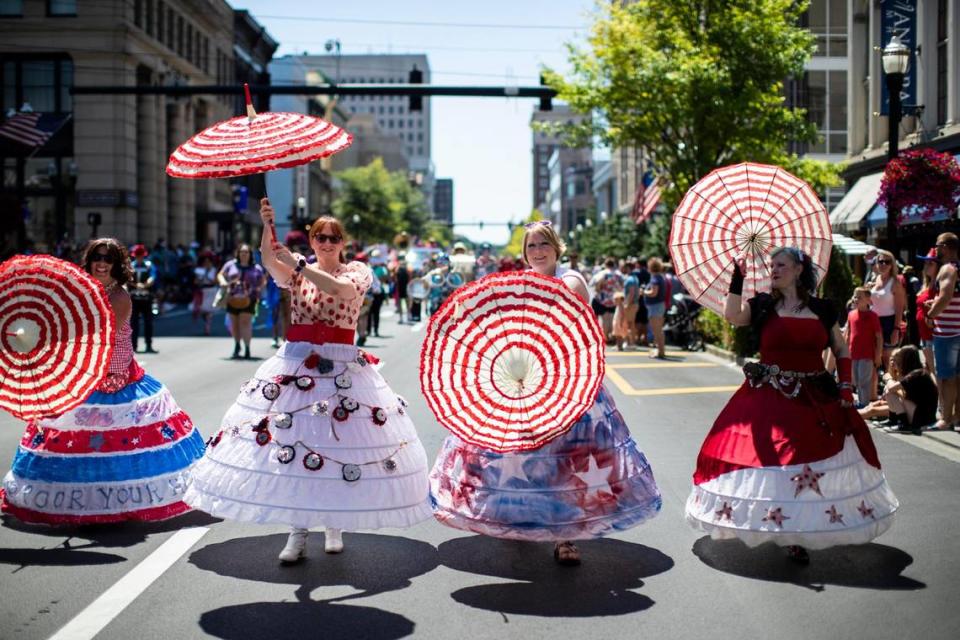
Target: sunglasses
(883, 262)
(322, 237)
(538, 223)
(101, 257)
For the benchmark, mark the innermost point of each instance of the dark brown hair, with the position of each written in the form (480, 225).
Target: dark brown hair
(240, 247)
(120, 270)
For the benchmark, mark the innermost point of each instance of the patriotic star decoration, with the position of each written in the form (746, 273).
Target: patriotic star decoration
(595, 477)
(725, 512)
(69, 444)
(776, 516)
(167, 432)
(135, 441)
(511, 467)
(807, 479)
(865, 511)
(835, 516)
(96, 441)
(37, 439)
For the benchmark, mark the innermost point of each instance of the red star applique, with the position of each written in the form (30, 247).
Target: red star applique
(865, 511)
(807, 479)
(776, 516)
(835, 516)
(724, 513)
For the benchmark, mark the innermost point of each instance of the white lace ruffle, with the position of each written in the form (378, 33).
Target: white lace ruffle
(855, 507)
(240, 479)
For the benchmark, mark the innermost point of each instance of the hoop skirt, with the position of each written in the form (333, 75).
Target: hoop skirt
(124, 454)
(316, 438)
(589, 482)
(785, 462)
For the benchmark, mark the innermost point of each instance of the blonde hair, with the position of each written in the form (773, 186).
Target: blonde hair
(894, 268)
(549, 234)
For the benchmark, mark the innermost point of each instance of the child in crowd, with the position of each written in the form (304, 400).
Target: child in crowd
(909, 394)
(865, 340)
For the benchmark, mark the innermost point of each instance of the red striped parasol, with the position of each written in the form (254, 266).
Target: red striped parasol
(56, 336)
(744, 208)
(512, 361)
(256, 143)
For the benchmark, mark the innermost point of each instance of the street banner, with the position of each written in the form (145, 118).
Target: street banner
(899, 17)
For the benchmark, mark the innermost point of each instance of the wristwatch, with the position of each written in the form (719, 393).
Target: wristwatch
(300, 265)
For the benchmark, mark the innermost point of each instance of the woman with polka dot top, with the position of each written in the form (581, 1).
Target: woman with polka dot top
(316, 438)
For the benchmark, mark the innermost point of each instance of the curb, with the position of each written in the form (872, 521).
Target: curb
(946, 438)
(720, 352)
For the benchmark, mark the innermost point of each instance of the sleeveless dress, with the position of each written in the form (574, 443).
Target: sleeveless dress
(784, 461)
(316, 437)
(589, 482)
(124, 454)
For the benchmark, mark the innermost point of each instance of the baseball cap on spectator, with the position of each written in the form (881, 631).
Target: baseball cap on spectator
(931, 256)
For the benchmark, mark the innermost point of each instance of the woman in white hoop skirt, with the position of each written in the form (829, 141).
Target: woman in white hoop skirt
(789, 460)
(316, 438)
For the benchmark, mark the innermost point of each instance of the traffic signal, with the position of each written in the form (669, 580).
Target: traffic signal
(546, 102)
(416, 77)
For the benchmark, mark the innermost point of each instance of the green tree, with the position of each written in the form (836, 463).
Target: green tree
(617, 236)
(696, 84)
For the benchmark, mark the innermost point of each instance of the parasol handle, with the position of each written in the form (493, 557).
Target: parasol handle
(251, 113)
(18, 334)
(273, 228)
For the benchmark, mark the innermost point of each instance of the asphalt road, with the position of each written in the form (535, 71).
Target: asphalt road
(662, 578)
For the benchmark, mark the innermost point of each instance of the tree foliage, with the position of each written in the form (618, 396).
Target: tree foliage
(696, 84)
(384, 203)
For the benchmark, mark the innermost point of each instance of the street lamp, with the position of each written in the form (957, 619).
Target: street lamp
(356, 227)
(301, 212)
(896, 62)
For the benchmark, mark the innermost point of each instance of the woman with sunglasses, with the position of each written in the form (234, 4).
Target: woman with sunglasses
(125, 453)
(789, 460)
(316, 437)
(888, 299)
(589, 482)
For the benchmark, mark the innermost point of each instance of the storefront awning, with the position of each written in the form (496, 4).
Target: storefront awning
(912, 215)
(849, 213)
(850, 246)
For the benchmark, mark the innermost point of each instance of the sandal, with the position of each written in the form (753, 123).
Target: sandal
(942, 425)
(566, 554)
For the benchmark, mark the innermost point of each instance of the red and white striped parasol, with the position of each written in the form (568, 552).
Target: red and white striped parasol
(256, 143)
(744, 208)
(56, 336)
(512, 361)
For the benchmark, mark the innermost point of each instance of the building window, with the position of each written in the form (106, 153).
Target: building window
(827, 21)
(180, 35)
(942, 61)
(420, 136)
(44, 83)
(419, 151)
(189, 55)
(138, 13)
(63, 7)
(390, 123)
(400, 123)
(170, 27)
(161, 22)
(390, 110)
(150, 17)
(11, 8)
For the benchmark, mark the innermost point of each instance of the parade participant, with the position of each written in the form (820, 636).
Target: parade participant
(243, 279)
(205, 280)
(142, 295)
(944, 309)
(555, 493)
(789, 460)
(378, 288)
(316, 438)
(125, 453)
(486, 263)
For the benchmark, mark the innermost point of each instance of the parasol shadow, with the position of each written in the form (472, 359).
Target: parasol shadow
(270, 620)
(602, 586)
(371, 563)
(868, 566)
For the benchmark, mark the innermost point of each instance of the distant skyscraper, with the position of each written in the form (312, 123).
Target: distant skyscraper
(443, 200)
(543, 147)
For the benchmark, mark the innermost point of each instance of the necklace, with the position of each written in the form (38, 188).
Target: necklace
(111, 287)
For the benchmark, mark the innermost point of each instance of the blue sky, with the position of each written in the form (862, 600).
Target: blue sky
(484, 144)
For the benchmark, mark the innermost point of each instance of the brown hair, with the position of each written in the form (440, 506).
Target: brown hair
(655, 265)
(549, 234)
(241, 247)
(121, 271)
(336, 225)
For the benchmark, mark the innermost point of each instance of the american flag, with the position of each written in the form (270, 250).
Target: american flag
(648, 197)
(32, 129)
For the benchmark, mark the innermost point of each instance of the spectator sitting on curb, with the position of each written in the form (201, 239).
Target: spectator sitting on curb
(909, 394)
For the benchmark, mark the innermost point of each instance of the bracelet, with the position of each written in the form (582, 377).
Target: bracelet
(845, 385)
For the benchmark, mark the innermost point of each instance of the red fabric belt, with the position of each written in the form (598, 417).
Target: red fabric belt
(319, 334)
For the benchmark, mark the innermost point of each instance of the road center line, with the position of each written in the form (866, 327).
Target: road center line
(92, 620)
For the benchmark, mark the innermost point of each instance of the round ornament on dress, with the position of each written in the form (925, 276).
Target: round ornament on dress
(313, 461)
(351, 472)
(401, 410)
(283, 421)
(263, 438)
(379, 416)
(320, 408)
(350, 404)
(402, 401)
(286, 454)
(324, 365)
(305, 383)
(343, 381)
(340, 414)
(361, 359)
(271, 391)
(390, 464)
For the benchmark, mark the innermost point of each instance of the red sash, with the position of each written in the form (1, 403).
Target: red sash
(319, 334)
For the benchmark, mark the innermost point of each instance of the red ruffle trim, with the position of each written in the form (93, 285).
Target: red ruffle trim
(115, 440)
(153, 514)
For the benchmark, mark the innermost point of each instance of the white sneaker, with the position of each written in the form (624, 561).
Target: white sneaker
(296, 546)
(333, 541)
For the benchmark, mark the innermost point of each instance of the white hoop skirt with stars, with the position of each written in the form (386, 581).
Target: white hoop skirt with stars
(316, 438)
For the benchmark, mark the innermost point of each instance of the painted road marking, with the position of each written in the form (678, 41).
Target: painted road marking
(627, 389)
(114, 600)
(662, 365)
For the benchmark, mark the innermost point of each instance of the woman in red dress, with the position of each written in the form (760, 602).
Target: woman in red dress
(789, 460)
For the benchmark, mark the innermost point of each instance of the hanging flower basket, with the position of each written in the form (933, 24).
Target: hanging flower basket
(923, 179)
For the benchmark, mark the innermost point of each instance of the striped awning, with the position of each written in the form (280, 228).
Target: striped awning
(850, 246)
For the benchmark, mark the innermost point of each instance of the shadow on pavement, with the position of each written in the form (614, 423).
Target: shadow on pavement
(271, 620)
(372, 563)
(601, 586)
(56, 557)
(870, 566)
